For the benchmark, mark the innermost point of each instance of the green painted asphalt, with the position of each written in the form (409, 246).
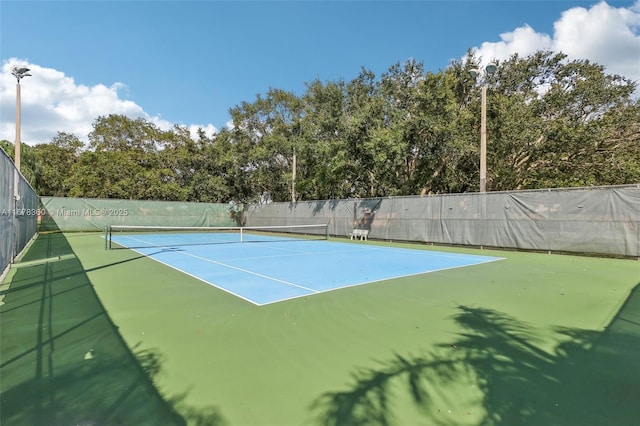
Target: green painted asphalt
(111, 337)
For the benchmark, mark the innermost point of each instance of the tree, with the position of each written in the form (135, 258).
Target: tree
(54, 160)
(123, 162)
(551, 122)
(560, 123)
(264, 131)
(443, 151)
(323, 157)
(27, 159)
(218, 172)
(546, 116)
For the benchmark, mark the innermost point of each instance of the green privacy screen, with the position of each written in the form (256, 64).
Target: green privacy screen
(90, 214)
(18, 211)
(602, 220)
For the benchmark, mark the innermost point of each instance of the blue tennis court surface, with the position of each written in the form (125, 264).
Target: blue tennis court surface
(269, 272)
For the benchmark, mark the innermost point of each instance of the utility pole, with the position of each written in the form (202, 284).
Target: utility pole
(490, 69)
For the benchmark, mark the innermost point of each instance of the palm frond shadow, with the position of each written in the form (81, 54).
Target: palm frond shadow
(588, 378)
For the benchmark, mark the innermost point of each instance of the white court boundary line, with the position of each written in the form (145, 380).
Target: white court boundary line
(476, 260)
(215, 262)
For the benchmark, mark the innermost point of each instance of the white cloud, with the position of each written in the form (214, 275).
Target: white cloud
(523, 41)
(602, 34)
(52, 102)
(209, 130)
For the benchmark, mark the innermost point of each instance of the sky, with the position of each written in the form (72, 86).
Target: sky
(190, 62)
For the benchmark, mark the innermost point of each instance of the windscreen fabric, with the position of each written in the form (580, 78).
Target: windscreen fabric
(91, 214)
(604, 220)
(18, 211)
(599, 220)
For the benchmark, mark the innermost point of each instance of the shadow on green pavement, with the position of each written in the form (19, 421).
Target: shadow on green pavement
(64, 362)
(590, 378)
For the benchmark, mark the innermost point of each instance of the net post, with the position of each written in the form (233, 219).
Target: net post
(109, 237)
(241, 234)
(106, 237)
(326, 229)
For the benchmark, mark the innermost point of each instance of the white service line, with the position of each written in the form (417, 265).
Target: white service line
(248, 272)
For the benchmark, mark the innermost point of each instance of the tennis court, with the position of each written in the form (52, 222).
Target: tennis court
(263, 268)
(95, 336)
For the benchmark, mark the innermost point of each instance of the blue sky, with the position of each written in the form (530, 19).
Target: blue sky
(189, 62)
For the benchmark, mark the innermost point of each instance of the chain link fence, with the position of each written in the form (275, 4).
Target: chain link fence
(19, 209)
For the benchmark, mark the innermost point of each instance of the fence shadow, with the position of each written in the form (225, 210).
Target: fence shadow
(592, 378)
(64, 361)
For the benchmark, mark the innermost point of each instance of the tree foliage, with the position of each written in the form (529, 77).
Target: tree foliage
(551, 122)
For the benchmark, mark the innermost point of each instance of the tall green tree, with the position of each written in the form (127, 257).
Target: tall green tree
(554, 122)
(219, 175)
(551, 122)
(366, 144)
(28, 159)
(54, 160)
(323, 156)
(442, 154)
(265, 139)
(123, 162)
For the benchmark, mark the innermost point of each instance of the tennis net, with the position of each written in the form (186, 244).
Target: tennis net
(118, 236)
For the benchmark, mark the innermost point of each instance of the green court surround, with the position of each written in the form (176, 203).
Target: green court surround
(115, 338)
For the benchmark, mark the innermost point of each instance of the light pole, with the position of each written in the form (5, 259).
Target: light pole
(490, 69)
(18, 73)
